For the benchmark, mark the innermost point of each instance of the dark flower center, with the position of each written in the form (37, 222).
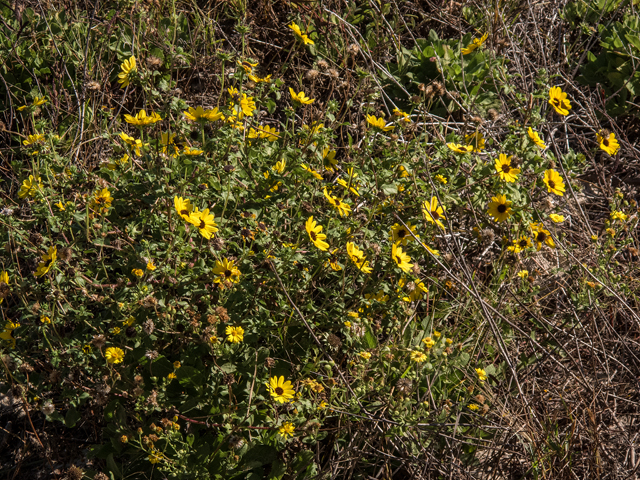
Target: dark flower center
(398, 259)
(279, 391)
(506, 168)
(552, 184)
(202, 224)
(435, 215)
(556, 102)
(49, 263)
(401, 233)
(100, 200)
(184, 212)
(502, 208)
(523, 243)
(605, 142)
(228, 273)
(313, 236)
(541, 237)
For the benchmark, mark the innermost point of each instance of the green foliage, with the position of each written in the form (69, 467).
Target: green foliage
(472, 76)
(615, 69)
(162, 277)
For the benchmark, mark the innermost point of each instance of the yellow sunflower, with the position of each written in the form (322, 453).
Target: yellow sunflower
(48, 260)
(225, 270)
(559, 101)
(608, 142)
(505, 170)
(499, 208)
(127, 67)
(183, 207)
(30, 186)
(315, 234)
(477, 42)
(554, 182)
(114, 355)
(535, 137)
(234, 334)
(520, 244)
(281, 391)
(540, 236)
(401, 258)
(286, 429)
(302, 36)
(418, 356)
(379, 123)
(475, 140)
(401, 234)
(433, 213)
(300, 97)
(456, 147)
(142, 119)
(358, 258)
(205, 222)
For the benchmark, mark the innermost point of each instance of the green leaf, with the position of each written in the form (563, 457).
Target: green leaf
(72, 417)
(372, 341)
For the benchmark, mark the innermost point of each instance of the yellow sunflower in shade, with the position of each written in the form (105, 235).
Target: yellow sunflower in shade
(311, 171)
(114, 355)
(475, 140)
(315, 234)
(226, 271)
(135, 143)
(506, 172)
(433, 213)
(7, 333)
(30, 186)
(535, 137)
(281, 391)
(520, 244)
(302, 36)
(234, 334)
(101, 201)
(205, 222)
(379, 123)
(333, 260)
(608, 142)
(499, 208)
(540, 236)
(287, 429)
(48, 260)
(414, 295)
(329, 159)
(401, 258)
(554, 182)
(127, 67)
(477, 42)
(456, 147)
(358, 258)
(4, 285)
(559, 101)
(401, 234)
(300, 97)
(183, 207)
(402, 116)
(343, 208)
